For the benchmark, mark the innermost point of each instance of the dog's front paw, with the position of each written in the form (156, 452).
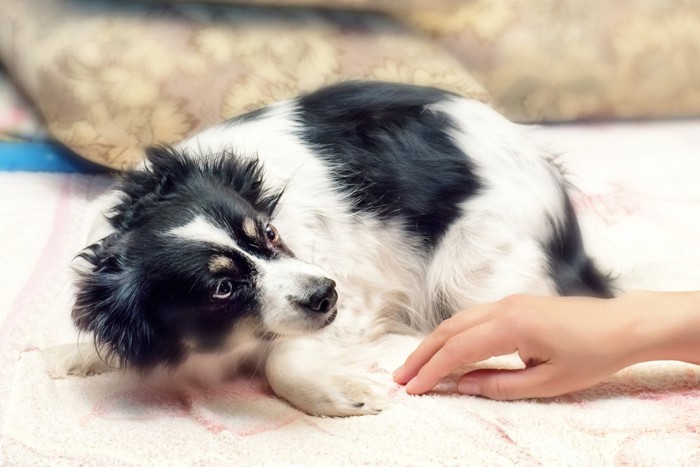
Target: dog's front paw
(334, 396)
(74, 360)
(349, 395)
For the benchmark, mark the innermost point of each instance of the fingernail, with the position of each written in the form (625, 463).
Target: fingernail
(470, 387)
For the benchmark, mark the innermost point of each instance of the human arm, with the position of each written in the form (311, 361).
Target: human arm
(566, 343)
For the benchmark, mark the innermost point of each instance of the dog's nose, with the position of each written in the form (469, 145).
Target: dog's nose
(323, 296)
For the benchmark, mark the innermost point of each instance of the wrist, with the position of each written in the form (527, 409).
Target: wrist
(662, 326)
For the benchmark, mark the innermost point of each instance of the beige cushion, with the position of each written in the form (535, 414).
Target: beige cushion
(562, 60)
(112, 79)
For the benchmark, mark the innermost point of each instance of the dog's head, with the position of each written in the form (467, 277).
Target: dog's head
(192, 262)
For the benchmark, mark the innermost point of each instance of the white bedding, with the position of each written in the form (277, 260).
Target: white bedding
(639, 204)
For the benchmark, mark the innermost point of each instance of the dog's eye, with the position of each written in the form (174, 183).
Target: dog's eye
(271, 234)
(224, 289)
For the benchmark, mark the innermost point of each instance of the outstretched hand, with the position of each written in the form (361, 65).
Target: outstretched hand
(566, 343)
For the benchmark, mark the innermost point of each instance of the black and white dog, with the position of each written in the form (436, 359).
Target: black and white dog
(305, 236)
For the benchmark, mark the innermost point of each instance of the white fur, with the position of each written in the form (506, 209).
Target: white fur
(379, 278)
(470, 266)
(287, 278)
(199, 229)
(387, 283)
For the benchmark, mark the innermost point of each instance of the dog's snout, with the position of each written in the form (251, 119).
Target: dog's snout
(323, 296)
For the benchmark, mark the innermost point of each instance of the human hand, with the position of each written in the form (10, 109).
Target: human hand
(566, 343)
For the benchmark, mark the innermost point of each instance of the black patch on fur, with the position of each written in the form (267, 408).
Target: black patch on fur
(143, 192)
(387, 153)
(145, 292)
(572, 270)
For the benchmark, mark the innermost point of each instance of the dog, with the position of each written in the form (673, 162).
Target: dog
(305, 237)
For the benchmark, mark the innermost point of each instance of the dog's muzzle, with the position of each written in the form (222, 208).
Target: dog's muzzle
(322, 296)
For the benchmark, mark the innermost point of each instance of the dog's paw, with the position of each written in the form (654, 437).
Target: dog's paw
(74, 360)
(337, 396)
(359, 397)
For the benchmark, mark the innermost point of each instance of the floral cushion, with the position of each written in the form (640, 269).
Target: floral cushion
(563, 60)
(111, 79)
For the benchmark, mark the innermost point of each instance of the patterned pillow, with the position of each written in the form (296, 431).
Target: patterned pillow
(374, 5)
(562, 60)
(111, 78)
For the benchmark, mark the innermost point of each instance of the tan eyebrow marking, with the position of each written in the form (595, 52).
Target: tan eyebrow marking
(220, 264)
(249, 227)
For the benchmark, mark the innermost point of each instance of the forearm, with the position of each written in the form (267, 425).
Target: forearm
(663, 326)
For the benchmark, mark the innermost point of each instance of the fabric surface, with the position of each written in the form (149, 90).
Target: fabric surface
(639, 202)
(18, 121)
(562, 60)
(113, 77)
(377, 5)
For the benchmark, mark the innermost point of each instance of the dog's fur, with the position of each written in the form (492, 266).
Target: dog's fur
(393, 206)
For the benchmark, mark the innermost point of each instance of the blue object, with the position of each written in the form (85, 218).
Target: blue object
(34, 156)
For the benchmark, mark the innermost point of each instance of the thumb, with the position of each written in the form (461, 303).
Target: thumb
(525, 383)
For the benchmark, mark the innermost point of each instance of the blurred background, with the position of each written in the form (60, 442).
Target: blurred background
(105, 78)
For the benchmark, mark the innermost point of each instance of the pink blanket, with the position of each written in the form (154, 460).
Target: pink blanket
(639, 203)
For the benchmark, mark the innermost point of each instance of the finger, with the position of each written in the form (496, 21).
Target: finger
(436, 340)
(525, 383)
(471, 346)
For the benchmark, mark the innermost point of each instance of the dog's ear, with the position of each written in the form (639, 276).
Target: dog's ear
(141, 190)
(112, 303)
(168, 165)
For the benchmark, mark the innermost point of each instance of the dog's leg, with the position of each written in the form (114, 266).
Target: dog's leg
(322, 380)
(75, 360)
(323, 377)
